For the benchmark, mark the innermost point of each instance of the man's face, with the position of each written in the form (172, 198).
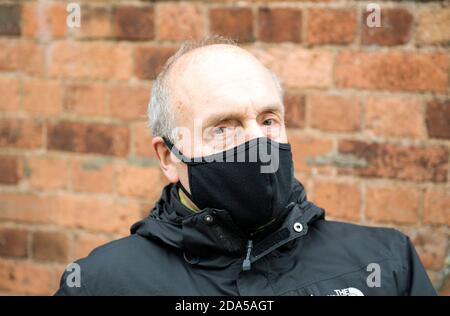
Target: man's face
(222, 97)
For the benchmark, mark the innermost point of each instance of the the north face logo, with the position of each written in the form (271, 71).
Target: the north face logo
(351, 291)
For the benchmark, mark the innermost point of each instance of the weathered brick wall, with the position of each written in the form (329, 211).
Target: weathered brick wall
(368, 112)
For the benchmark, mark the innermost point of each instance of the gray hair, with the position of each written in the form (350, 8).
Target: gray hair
(161, 119)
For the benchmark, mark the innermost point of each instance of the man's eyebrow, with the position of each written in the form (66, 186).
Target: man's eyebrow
(274, 107)
(216, 118)
(226, 116)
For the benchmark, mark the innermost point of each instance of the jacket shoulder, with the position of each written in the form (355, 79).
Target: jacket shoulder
(372, 243)
(111, 264)
(357, 247)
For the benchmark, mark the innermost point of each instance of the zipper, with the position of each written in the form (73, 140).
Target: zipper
(247, 264)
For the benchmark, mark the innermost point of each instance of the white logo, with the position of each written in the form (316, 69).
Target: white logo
(374, 17)
(74, 17)
(351, 291)
(374, 279)
(73, 278)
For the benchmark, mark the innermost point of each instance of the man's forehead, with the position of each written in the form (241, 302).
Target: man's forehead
(215, 61)
(210, 54)
(219, 73)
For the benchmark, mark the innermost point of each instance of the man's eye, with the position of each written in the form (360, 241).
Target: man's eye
(219, 130)
(269, 122)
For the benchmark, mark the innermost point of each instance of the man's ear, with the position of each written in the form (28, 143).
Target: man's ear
(166, 162)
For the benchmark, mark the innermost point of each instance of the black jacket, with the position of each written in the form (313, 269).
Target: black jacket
(176, 252)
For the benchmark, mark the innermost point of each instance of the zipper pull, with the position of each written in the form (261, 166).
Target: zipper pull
(246, 265)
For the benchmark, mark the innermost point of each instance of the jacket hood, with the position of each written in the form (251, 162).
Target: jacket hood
(211, 233)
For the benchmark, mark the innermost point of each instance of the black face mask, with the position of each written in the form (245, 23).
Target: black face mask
(251, 181)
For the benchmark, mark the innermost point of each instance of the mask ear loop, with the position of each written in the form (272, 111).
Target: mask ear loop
(185, 191)
(175, 150)
(183, 158)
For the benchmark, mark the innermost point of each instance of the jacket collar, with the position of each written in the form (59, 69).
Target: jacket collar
(210, 235)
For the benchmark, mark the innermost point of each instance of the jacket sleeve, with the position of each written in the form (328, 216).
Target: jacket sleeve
(417, 280)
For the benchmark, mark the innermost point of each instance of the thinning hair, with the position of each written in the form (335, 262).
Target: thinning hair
(161, 119)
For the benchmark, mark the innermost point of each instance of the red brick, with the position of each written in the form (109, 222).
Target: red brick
(431, 244)
(180, 21)
(134, 23)
(25, 277)
(99, 138)
(93, 175)
(96, 214)
(331, 26)
(13, 242)
(10, 19)
(10, 170)
(44, 20)
(9, 90)
(433, 25)
(20, 55)
(445, 289)
(438, 119)
(287, 62)
(48, 173)
(294, 105)
(42, 96)
(306, 147)
(29, 18)
(31, 59)
(25, 207)
(50, 246)
(394, 116)
(91, 213)
(9, 54)
(141, 182)
(96, 22)
(395, 28)
(142, 139)
(129, 102)
(335, 113)
(396, 161)
(90, 60)
(236, 23)
(392, 204)
(340, 200)
(84, 243)
(150, 60)
(434, 277)
(437, 207)
(146, 208)
(280, 25)
(85, 98)
(20, 133)
(392, 71)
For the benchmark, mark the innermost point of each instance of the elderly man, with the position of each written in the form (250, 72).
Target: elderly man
(233, 220)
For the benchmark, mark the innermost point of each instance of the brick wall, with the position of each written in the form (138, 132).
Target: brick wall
(368, 111)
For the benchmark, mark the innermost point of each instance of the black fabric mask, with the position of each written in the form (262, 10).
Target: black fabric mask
(251, 181)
